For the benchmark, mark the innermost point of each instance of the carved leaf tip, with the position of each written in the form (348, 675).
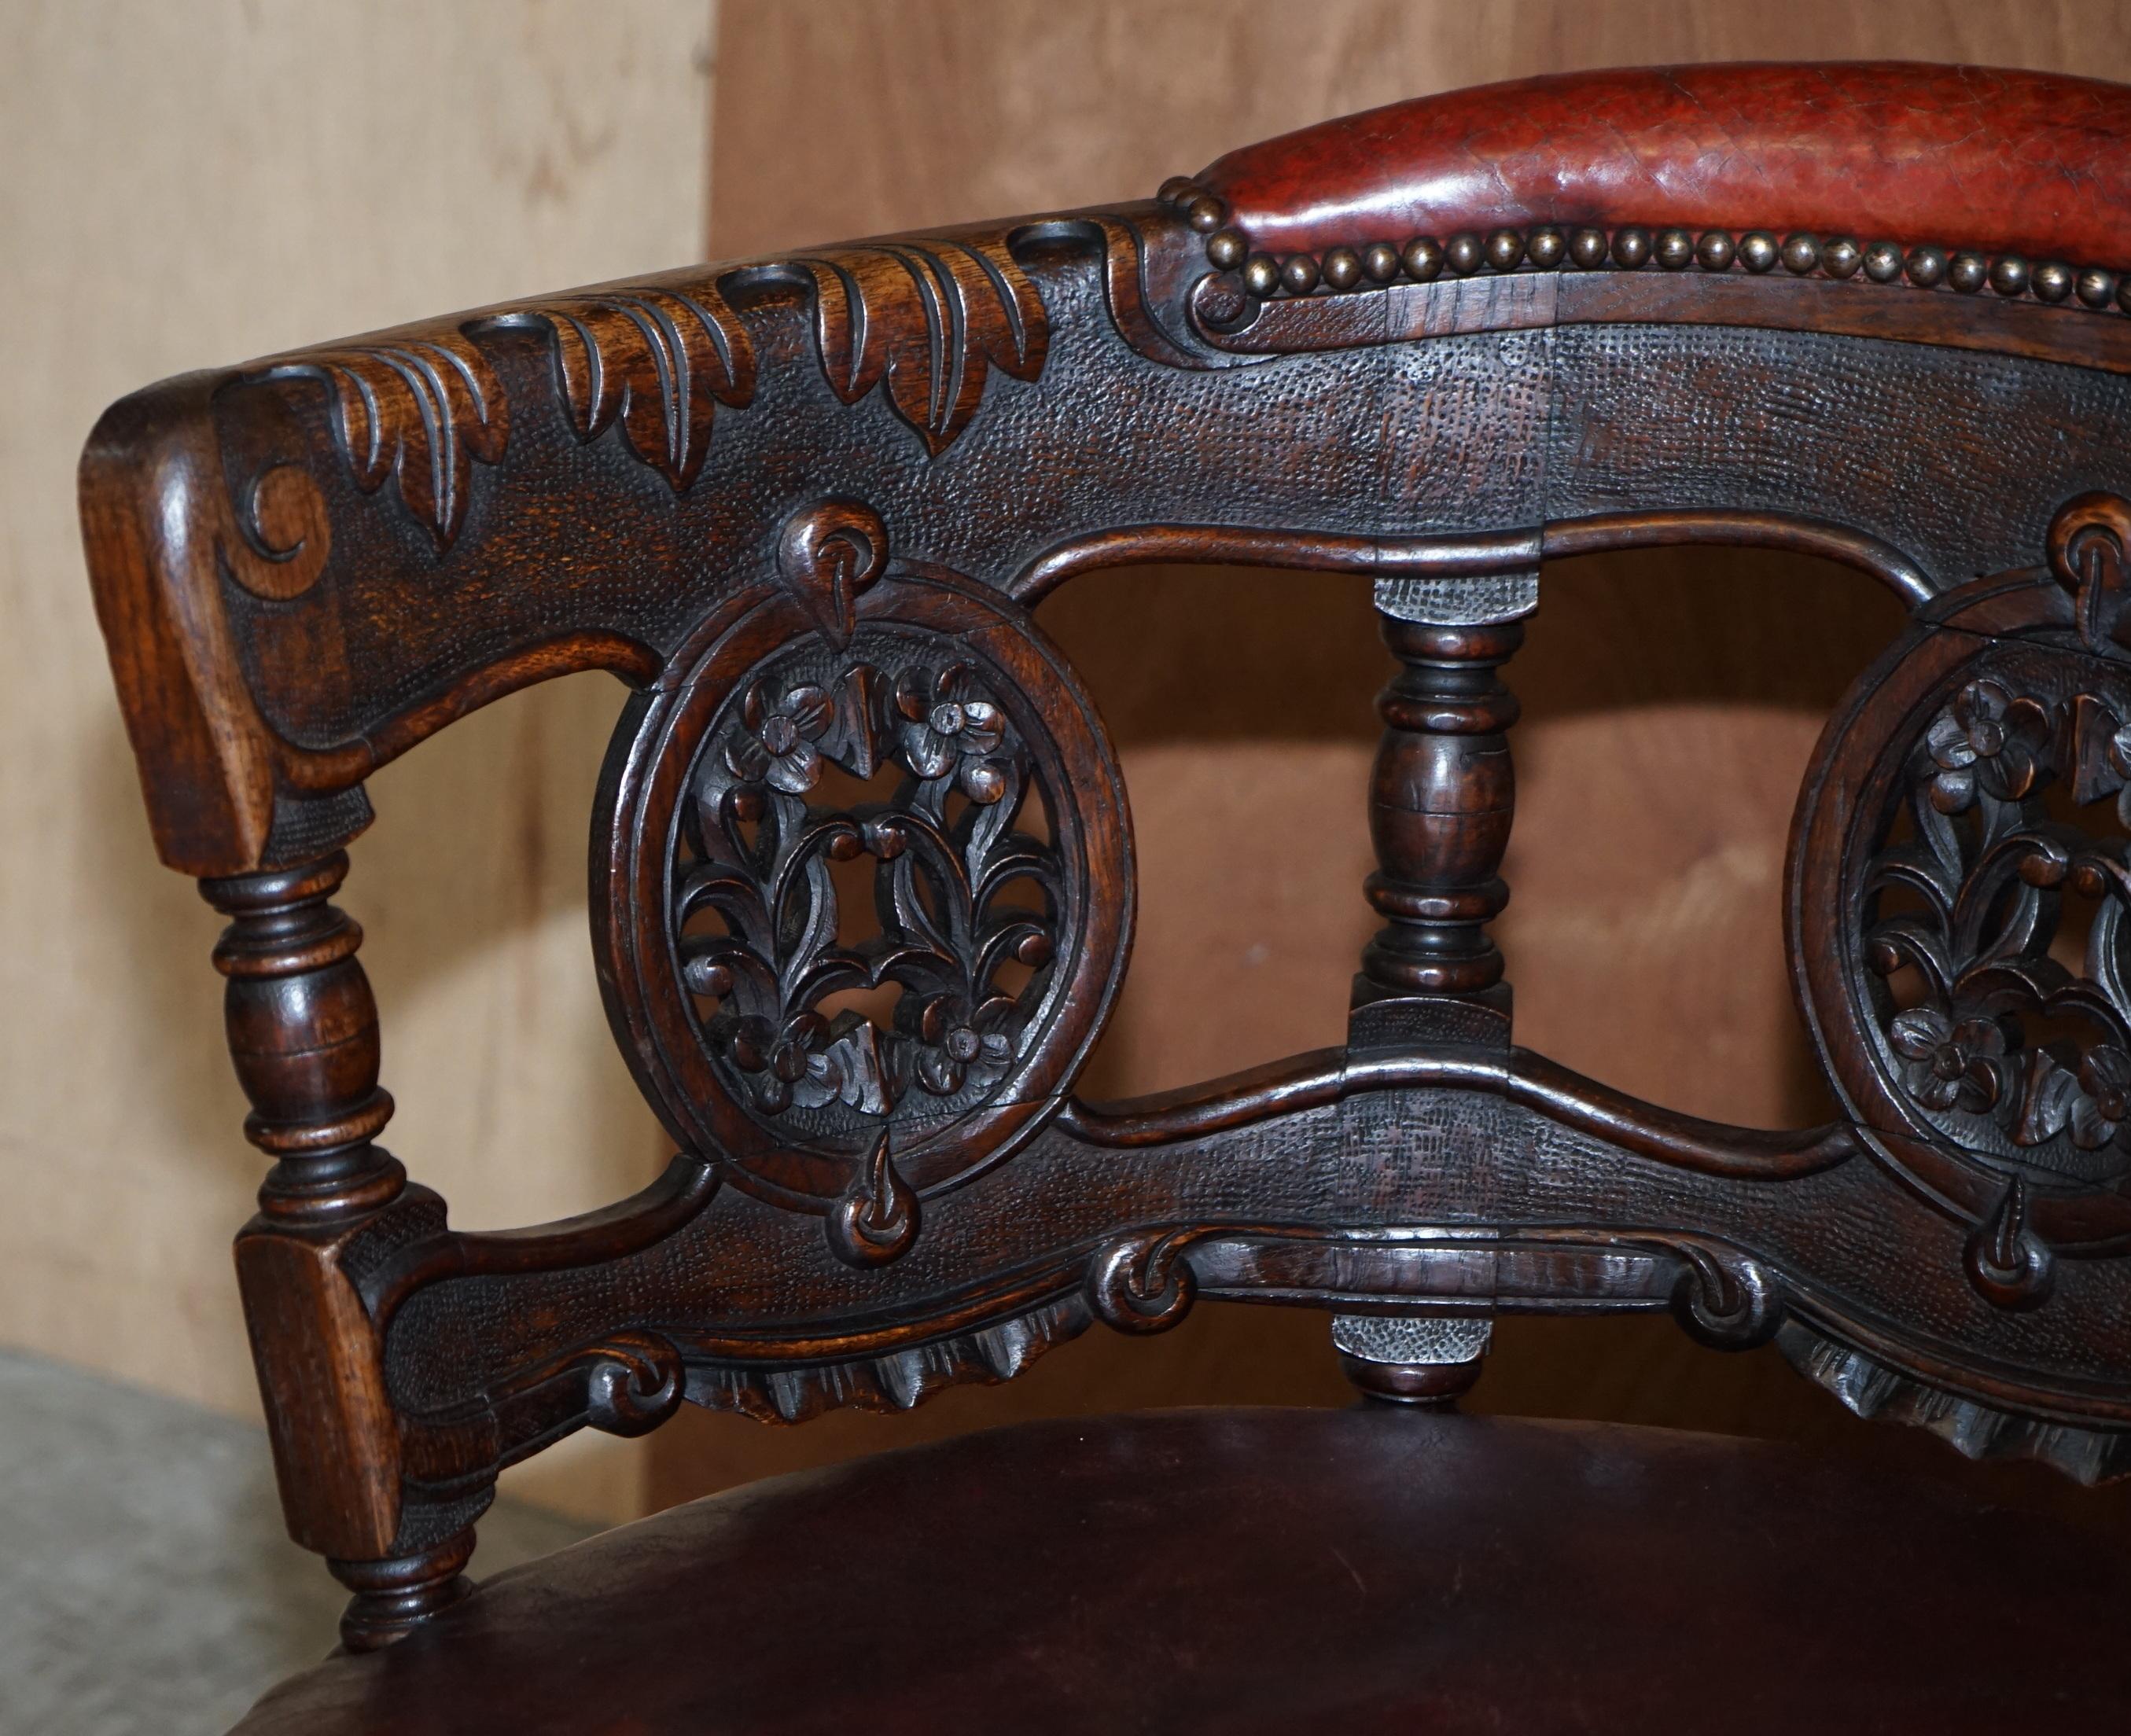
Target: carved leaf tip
(661, 361)
(930, 319)
(422, 411)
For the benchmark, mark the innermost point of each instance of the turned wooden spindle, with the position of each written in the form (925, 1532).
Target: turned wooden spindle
(303, 1032)
(394, 1597)
(1441, 798)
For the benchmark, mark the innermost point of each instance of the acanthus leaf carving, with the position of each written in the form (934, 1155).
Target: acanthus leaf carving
(930, 318)
(662, 360)
(421, 410)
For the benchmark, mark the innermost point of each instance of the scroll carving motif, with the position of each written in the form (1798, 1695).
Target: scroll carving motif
(827, 556)
(875, 1218)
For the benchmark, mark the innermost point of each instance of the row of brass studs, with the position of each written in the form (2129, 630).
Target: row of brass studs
(1423, 258)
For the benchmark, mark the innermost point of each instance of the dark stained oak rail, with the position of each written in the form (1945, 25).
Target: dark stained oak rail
(862, 868)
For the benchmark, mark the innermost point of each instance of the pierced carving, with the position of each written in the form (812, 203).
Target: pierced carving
(1980, 786)
(950, 926)
(1977, 888)
(824, 973)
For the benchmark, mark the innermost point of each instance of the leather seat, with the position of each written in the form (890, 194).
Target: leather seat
(1272, 1569)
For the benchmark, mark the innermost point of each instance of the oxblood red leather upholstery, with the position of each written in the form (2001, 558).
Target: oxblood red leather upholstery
(1278, 1571)
(1961, 155)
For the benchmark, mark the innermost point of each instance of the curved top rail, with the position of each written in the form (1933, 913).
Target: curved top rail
(1976, 156)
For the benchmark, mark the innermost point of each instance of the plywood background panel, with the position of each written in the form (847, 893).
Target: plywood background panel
(182, 186)
(1670, 701)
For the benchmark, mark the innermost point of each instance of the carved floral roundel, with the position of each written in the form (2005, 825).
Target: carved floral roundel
(1960, 906)
(867, 887)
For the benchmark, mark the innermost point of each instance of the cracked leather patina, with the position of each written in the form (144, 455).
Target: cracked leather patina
(1961, 154)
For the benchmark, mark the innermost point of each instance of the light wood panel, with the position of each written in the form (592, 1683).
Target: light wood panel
(918, 112)
(185, 186)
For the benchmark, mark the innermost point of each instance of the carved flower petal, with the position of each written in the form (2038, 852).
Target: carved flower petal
(1979, 1036)
(750, 1045)
(2104, 1075)
(1952, 792)
(912, 699)
(981, 727)
(797, 771)
(997, 1050)
(811, 709)
(1935, 1093)
(937, 1074)
(1947, 741)
(1917, 1034)
(928, 754)
(2010, 774)
(746, 758)
(1978, 1087)
(1981, 702)
(934, 1016)
(2090, 1129)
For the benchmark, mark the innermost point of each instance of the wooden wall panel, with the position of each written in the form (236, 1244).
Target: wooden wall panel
(185, 186)
(1240, 701)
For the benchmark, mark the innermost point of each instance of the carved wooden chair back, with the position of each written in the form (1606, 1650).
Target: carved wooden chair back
(862, 873)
